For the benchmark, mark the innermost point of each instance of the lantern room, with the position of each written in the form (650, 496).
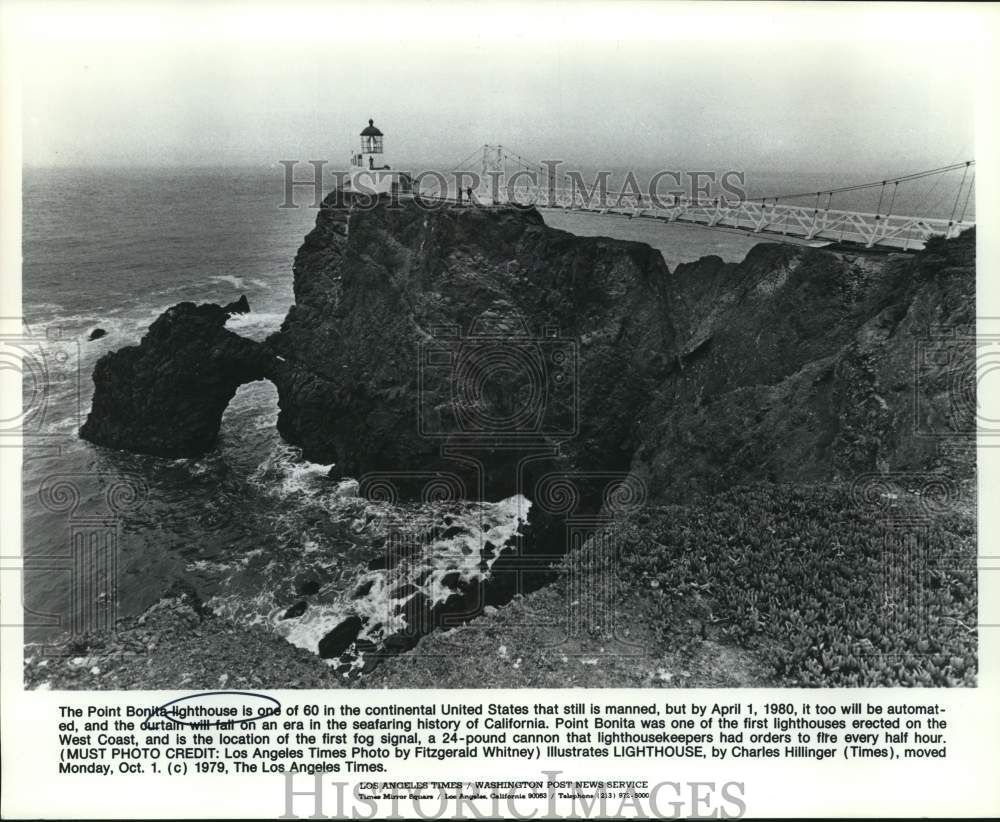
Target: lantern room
(369, 173)
(371, 139)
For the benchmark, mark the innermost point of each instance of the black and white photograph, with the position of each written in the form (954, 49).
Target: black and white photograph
(365, 362)
(550, 410)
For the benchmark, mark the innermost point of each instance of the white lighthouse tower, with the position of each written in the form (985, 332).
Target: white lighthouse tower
(369, 173)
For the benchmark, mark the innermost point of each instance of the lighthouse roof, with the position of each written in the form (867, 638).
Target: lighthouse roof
(371, 131)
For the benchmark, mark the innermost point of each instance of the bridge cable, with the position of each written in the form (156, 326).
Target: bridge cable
(892, 202)
(972, 184)
(959, 194)
(859, 186)
(475, 153)
(936, 205)
(528, 164)
(508, 158)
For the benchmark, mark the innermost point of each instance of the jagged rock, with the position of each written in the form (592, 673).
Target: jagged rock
(383, 295)
(340, 638)
(240, 306)
(308, 587)
(97, 333)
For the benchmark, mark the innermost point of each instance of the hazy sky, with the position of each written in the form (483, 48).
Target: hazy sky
(636, 85)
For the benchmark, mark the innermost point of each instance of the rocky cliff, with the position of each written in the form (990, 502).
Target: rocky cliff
(481, 348)
(803, 365)
(475, 342)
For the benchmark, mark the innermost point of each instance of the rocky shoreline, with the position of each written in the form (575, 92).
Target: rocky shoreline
(743, 590)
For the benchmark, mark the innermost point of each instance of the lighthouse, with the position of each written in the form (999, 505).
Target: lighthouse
(369, 172)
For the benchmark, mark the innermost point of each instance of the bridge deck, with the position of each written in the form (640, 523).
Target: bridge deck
(854, 227)
(771, 219)
(506, 177)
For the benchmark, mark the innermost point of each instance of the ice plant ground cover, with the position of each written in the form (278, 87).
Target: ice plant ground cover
(833, 591)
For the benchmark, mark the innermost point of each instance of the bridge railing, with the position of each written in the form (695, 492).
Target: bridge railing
(811, 224)
(783, 219)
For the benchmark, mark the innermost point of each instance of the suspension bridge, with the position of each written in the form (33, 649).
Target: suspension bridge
(498, 176)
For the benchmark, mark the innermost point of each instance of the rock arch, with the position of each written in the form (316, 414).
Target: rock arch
(166, 396)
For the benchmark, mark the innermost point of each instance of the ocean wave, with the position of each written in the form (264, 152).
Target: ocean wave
(284, 474)
(124, 325)
(234, 281)
(41, 311)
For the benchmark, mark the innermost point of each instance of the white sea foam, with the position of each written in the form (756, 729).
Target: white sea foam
(236, 608)
(210, 566)
(284, 473)
(254, 325)
(460, 556)
(303, 477)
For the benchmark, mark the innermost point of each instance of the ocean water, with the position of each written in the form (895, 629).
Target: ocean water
(113, 249)
(247, 523)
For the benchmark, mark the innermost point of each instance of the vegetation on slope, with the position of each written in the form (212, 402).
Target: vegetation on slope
(835, 591)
